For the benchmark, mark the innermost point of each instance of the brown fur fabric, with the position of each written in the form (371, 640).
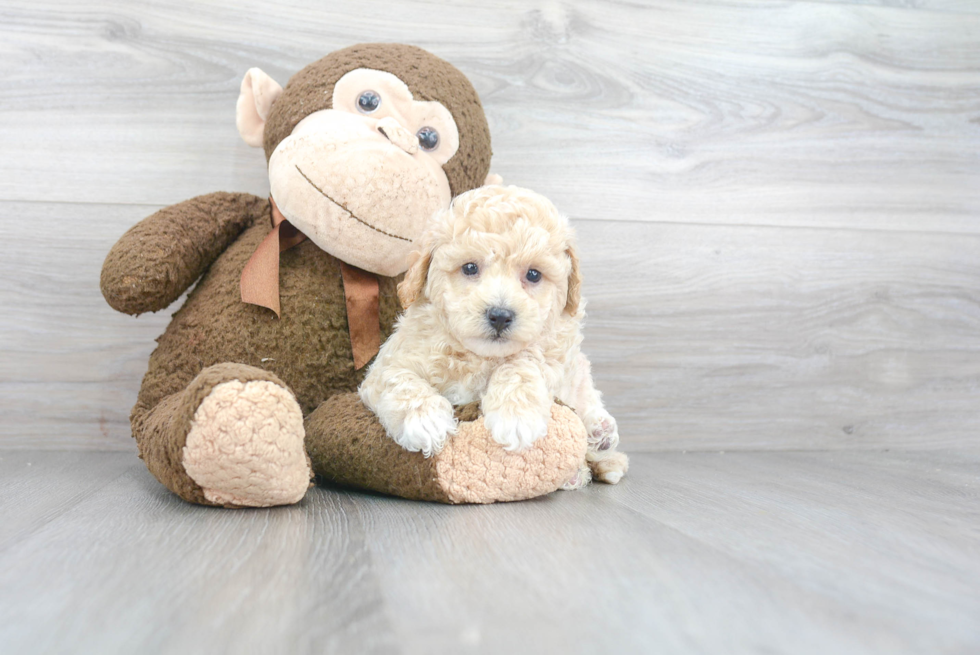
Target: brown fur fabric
(159, 257)
(349, 447)
(428, 78)
(307, 350)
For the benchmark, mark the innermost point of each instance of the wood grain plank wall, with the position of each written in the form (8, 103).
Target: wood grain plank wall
(778, 202)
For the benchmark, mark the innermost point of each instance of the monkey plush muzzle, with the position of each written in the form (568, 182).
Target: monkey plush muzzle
(345, 181)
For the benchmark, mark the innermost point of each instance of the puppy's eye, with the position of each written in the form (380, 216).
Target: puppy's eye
(368, 102)
(428, 138)
(470, 269)
(533, 275)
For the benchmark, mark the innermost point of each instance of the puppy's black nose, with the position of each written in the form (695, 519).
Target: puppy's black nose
(500, 318)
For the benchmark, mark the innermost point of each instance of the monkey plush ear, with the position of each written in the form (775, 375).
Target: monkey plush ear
(574, 296)
(493, 178)
(257, 94)
(413, 285)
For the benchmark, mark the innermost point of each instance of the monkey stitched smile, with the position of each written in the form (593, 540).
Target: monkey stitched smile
(344, 207)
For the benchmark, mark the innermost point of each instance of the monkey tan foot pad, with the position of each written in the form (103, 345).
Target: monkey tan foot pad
(245, 446)
(349, 447)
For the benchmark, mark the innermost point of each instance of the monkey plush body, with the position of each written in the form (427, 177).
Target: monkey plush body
(363, 145)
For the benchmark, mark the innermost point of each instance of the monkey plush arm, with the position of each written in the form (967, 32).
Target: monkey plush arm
(162, 255)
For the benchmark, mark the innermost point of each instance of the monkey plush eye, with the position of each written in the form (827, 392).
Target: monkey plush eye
(533, 275)
(368, 102)
(470, 269)
(428, 138)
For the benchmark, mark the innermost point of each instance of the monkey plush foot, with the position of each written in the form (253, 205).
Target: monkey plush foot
(245, 446)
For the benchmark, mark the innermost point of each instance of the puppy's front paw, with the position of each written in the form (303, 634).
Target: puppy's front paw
(515, 432)
(427, 428)
(603, 432)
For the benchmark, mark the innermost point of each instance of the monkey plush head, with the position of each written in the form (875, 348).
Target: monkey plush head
(365, 145)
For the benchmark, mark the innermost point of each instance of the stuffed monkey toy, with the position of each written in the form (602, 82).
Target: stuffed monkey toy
(295, 294)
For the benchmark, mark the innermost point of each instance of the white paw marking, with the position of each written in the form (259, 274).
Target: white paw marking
(427, 429)
(612, 477)
(515, 432)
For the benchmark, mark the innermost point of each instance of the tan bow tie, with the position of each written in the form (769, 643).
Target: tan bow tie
(260, 286)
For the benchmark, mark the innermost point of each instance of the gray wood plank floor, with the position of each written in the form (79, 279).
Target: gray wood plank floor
(817, 552)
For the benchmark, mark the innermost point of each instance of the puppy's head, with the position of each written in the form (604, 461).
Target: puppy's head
(500, 266)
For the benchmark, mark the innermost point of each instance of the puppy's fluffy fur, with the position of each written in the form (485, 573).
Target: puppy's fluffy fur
(493, 313)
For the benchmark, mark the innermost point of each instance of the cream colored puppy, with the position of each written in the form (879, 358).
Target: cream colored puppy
(492, 313)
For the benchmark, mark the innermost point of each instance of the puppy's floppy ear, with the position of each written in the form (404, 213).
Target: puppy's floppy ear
(574, 296)
(412, 287)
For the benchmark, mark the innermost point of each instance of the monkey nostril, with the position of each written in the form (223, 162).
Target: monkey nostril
(500, 318)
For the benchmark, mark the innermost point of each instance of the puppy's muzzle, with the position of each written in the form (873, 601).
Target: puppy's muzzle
(500, 319)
